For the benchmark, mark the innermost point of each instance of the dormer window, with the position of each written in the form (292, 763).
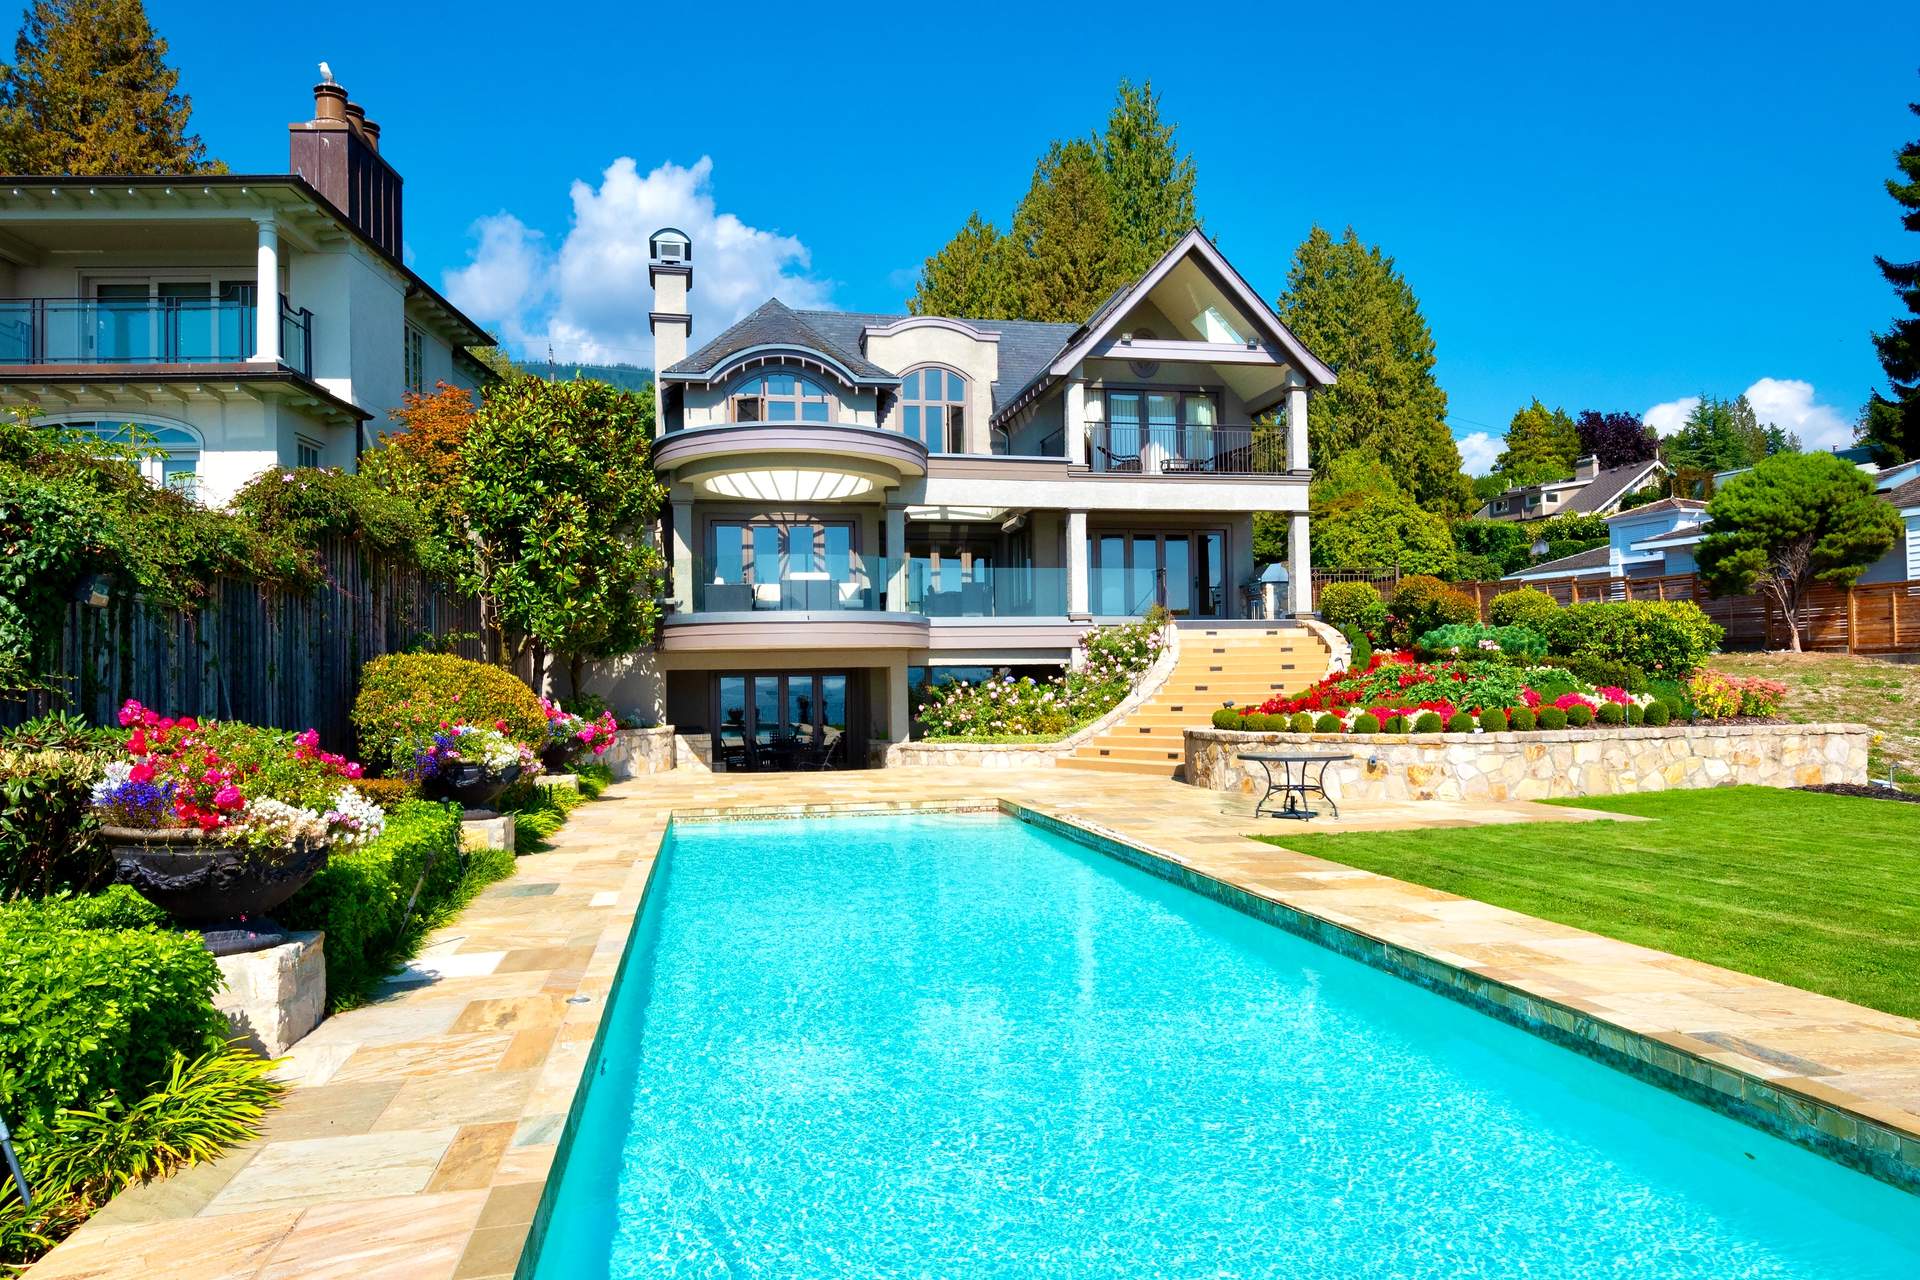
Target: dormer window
(933, 409)
(779, 397)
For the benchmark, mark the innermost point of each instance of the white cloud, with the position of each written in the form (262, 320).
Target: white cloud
(1478, 451)
(590, 299)
(1788, 403)
(1670, 416)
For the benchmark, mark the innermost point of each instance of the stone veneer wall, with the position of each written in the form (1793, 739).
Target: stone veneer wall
(638, 751)
(1537, 766)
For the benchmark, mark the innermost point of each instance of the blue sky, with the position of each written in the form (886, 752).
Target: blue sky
(1606, 208)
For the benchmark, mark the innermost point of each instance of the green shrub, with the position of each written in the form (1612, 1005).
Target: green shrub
(1362, 655)
(594, 777)
(1664, 638)
(1327, 724)
(405, 696)
(360, 897)
(1656, 715)
(540, 816)
(85, 1012)
(1611, 713)
(47, 824)
(1429, 722)
(1523, 720)
(1396, 724)
(59, 731)
(1579, 716)
(1603, 672)
(1353, 604)
(1552, 718)
(388, 792)
(1226, 718)
(1423, 604)
(1461, 722)
(1524, 607)
(1493, 720)
(1366, 722)
(1468, 640)
(1300, 722)
(1636, 714)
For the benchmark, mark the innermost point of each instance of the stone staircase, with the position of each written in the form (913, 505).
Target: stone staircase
(1244, 664)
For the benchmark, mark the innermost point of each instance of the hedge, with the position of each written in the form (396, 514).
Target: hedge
(47, 824)
(1353, 604)
(404, 696)
(1663, 638)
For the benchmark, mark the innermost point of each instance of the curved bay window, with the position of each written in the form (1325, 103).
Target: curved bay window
(933, 409)
(167, 455)
(779, 397)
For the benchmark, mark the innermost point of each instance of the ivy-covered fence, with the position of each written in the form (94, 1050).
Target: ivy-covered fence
(257, 653)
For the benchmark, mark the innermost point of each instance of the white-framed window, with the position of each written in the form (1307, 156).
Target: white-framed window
(933, 408)
(779, 397)
(170, 453)
(306, 452)
(416, 359)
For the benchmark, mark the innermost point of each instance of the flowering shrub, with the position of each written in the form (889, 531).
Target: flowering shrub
(239, 783)
(453, 744)
(1112, 660)
(1717, 696)
(576, 732)
(406, 697)
(1471, 639)
(1422, 603)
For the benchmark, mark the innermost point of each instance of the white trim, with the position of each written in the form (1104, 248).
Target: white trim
(908, 323)
(737, 361)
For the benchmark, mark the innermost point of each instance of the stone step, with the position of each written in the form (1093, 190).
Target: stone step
(1172, 755)
(1105, 765)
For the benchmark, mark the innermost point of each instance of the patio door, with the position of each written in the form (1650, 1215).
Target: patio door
(779, 721)
(1183, 572)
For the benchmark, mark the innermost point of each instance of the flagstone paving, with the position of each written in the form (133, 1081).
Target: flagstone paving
(421, 1128)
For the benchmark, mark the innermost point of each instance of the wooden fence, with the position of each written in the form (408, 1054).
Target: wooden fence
(1873, 618)
(257, 654)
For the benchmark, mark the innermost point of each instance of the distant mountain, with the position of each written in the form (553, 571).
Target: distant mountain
(628, 376)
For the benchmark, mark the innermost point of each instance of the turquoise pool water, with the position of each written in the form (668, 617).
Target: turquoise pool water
(960, 1046)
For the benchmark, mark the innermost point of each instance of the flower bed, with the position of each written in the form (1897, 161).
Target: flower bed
(570, 734)
(1112, 661)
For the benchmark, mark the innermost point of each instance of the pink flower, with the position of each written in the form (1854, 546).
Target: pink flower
(1529, 697)
(1613, 694)
(228, 797)
(307, 739)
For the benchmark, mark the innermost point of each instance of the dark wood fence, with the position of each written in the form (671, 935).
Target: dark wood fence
(257, 654)
(1872, 618)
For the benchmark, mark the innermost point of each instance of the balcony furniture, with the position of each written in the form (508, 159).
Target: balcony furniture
(1302, 773)
(733, 751)
(766, 595)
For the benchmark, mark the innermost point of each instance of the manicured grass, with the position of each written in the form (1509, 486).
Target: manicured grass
(1832, 686)
(1817, 891)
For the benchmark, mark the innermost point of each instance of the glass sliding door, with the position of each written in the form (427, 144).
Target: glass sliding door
(1185, 573)
(781, 722)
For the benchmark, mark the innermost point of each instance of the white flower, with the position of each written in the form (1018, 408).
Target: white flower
(354, 820)
(270, 821)
(112, 778)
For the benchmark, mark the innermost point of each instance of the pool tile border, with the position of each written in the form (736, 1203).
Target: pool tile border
(1830, 1129)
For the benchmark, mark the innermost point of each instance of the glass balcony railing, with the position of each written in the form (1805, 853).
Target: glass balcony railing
(145, 331)
(948, 589)
(1174, 449)
(859, 585)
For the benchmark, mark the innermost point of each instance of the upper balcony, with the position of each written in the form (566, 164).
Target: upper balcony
(1175, 449)
(146, 332)
(789, 461)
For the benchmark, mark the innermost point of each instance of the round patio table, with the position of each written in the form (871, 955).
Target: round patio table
(1302, 773)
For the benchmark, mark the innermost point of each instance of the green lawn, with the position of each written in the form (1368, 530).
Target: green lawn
(1817, 891)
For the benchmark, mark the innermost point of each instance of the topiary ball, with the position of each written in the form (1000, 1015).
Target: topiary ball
(1460, 722)
(1366, 722)
(1552, 718)
(1429, 722)
(1656, 715)
(1579, 716)
(1302, 722)
(1636, 714)
(1395, 724)
(1226, 718)
(1327, 724)
(1611, 713)
(1494, 721)
(1523, 720)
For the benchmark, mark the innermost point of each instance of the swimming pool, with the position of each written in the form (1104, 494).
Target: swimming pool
(958, 1045)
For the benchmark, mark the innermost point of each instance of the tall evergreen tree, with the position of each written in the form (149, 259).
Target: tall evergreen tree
(969, 277)
(1065, 239)
(1355, 311)
(1892, 424)
(1541, 445)
(1719, 435)
(1149, 183)
(89, 92)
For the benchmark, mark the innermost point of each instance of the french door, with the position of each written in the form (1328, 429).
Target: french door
(1183, 572)
(781, 720)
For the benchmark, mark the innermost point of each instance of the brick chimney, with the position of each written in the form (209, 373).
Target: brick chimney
(338, 152)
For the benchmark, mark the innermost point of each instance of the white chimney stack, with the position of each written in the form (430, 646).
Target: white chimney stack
(670, 273)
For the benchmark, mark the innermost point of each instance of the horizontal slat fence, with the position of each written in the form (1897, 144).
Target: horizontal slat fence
(258, 654)
(1874, 618)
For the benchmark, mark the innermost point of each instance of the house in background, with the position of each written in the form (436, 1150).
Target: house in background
(1588, 491)
(1899, 486)
(858, 501)
(235, 322)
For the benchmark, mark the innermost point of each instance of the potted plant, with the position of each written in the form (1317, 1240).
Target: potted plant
(469, 764)
(570, 733)
(218, 824)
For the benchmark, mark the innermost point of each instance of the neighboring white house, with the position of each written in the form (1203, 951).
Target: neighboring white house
(1588, 491)
(859, 499)
(234, 322)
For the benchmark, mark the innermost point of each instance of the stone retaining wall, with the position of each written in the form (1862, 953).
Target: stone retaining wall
(1537, 766)
(638, 751)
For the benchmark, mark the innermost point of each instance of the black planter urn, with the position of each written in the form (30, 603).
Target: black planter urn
(469, 785)
(222, 891)
(558, 757)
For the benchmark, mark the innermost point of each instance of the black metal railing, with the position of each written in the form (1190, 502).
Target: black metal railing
(145, 331)
(1175, 449)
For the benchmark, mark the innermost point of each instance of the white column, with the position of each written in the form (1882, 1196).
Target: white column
(683, 554)
(266, 327)
(1077, 571)
(1075, 414)
(897, 563)
(899, 704)
(1299, 565)
(1297, 424)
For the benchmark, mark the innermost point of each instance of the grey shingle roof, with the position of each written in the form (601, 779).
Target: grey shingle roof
(773, 323)
(1597, 558)
(1026, 346)
(1607, 487)
(1665, 504)
(1906, 495)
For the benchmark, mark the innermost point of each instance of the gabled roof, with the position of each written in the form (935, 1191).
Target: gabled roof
(1665, 504)
(1610, 486)
(1580, 563)
(1025, 346)
(774, 326)
(1907, 495)
(1081, 340)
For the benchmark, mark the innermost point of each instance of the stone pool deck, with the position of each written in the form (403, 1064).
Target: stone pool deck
(421, 1130)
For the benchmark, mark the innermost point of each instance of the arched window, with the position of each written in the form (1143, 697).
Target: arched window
(933, 409)
(779, 397)
(170, 455)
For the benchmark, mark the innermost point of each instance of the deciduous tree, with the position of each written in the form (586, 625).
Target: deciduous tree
(1892, 422)
(89, 92)
(1616, 439)
(1795, 519)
